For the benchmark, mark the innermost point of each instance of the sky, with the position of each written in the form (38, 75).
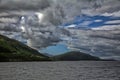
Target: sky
(42, 24)
(56, 49)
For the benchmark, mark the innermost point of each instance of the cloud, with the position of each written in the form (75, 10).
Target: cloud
(8, 20)
(39, 32)
(108, 27)
(102, 43)
(24, 5)
(44, 32)
(98, 20)
(9, 27)
(113, 22)
(106, 7)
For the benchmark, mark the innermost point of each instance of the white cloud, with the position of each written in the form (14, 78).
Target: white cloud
(71, 26)
(108, 27)
(40, 16)
(114, 14)
(99, 20)
(113, 22)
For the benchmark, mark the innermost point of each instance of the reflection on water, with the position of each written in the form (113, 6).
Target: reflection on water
(79, 70)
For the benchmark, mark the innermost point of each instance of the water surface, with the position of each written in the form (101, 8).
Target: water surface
(76, 70)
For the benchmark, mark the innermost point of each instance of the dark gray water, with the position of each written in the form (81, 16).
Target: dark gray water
(78, 70)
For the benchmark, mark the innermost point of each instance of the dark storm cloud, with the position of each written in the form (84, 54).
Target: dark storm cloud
(23, 4)
(9, 27)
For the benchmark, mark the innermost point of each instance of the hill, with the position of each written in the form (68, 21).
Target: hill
(12, 50)
(74, 56)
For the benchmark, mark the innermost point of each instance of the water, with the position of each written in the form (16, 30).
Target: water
(76, 70)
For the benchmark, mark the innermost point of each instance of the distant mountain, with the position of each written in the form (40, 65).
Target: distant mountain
(74, 56)
(12, 50)
(47, 54)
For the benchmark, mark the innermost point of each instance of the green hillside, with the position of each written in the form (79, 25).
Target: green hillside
(12, 50)
(74, 56)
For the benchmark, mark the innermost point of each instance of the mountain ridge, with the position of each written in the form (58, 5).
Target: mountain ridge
(13, 50)
(74, 56)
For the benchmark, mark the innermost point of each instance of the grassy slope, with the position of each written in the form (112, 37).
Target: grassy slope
(74, 56)
(12, 50)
